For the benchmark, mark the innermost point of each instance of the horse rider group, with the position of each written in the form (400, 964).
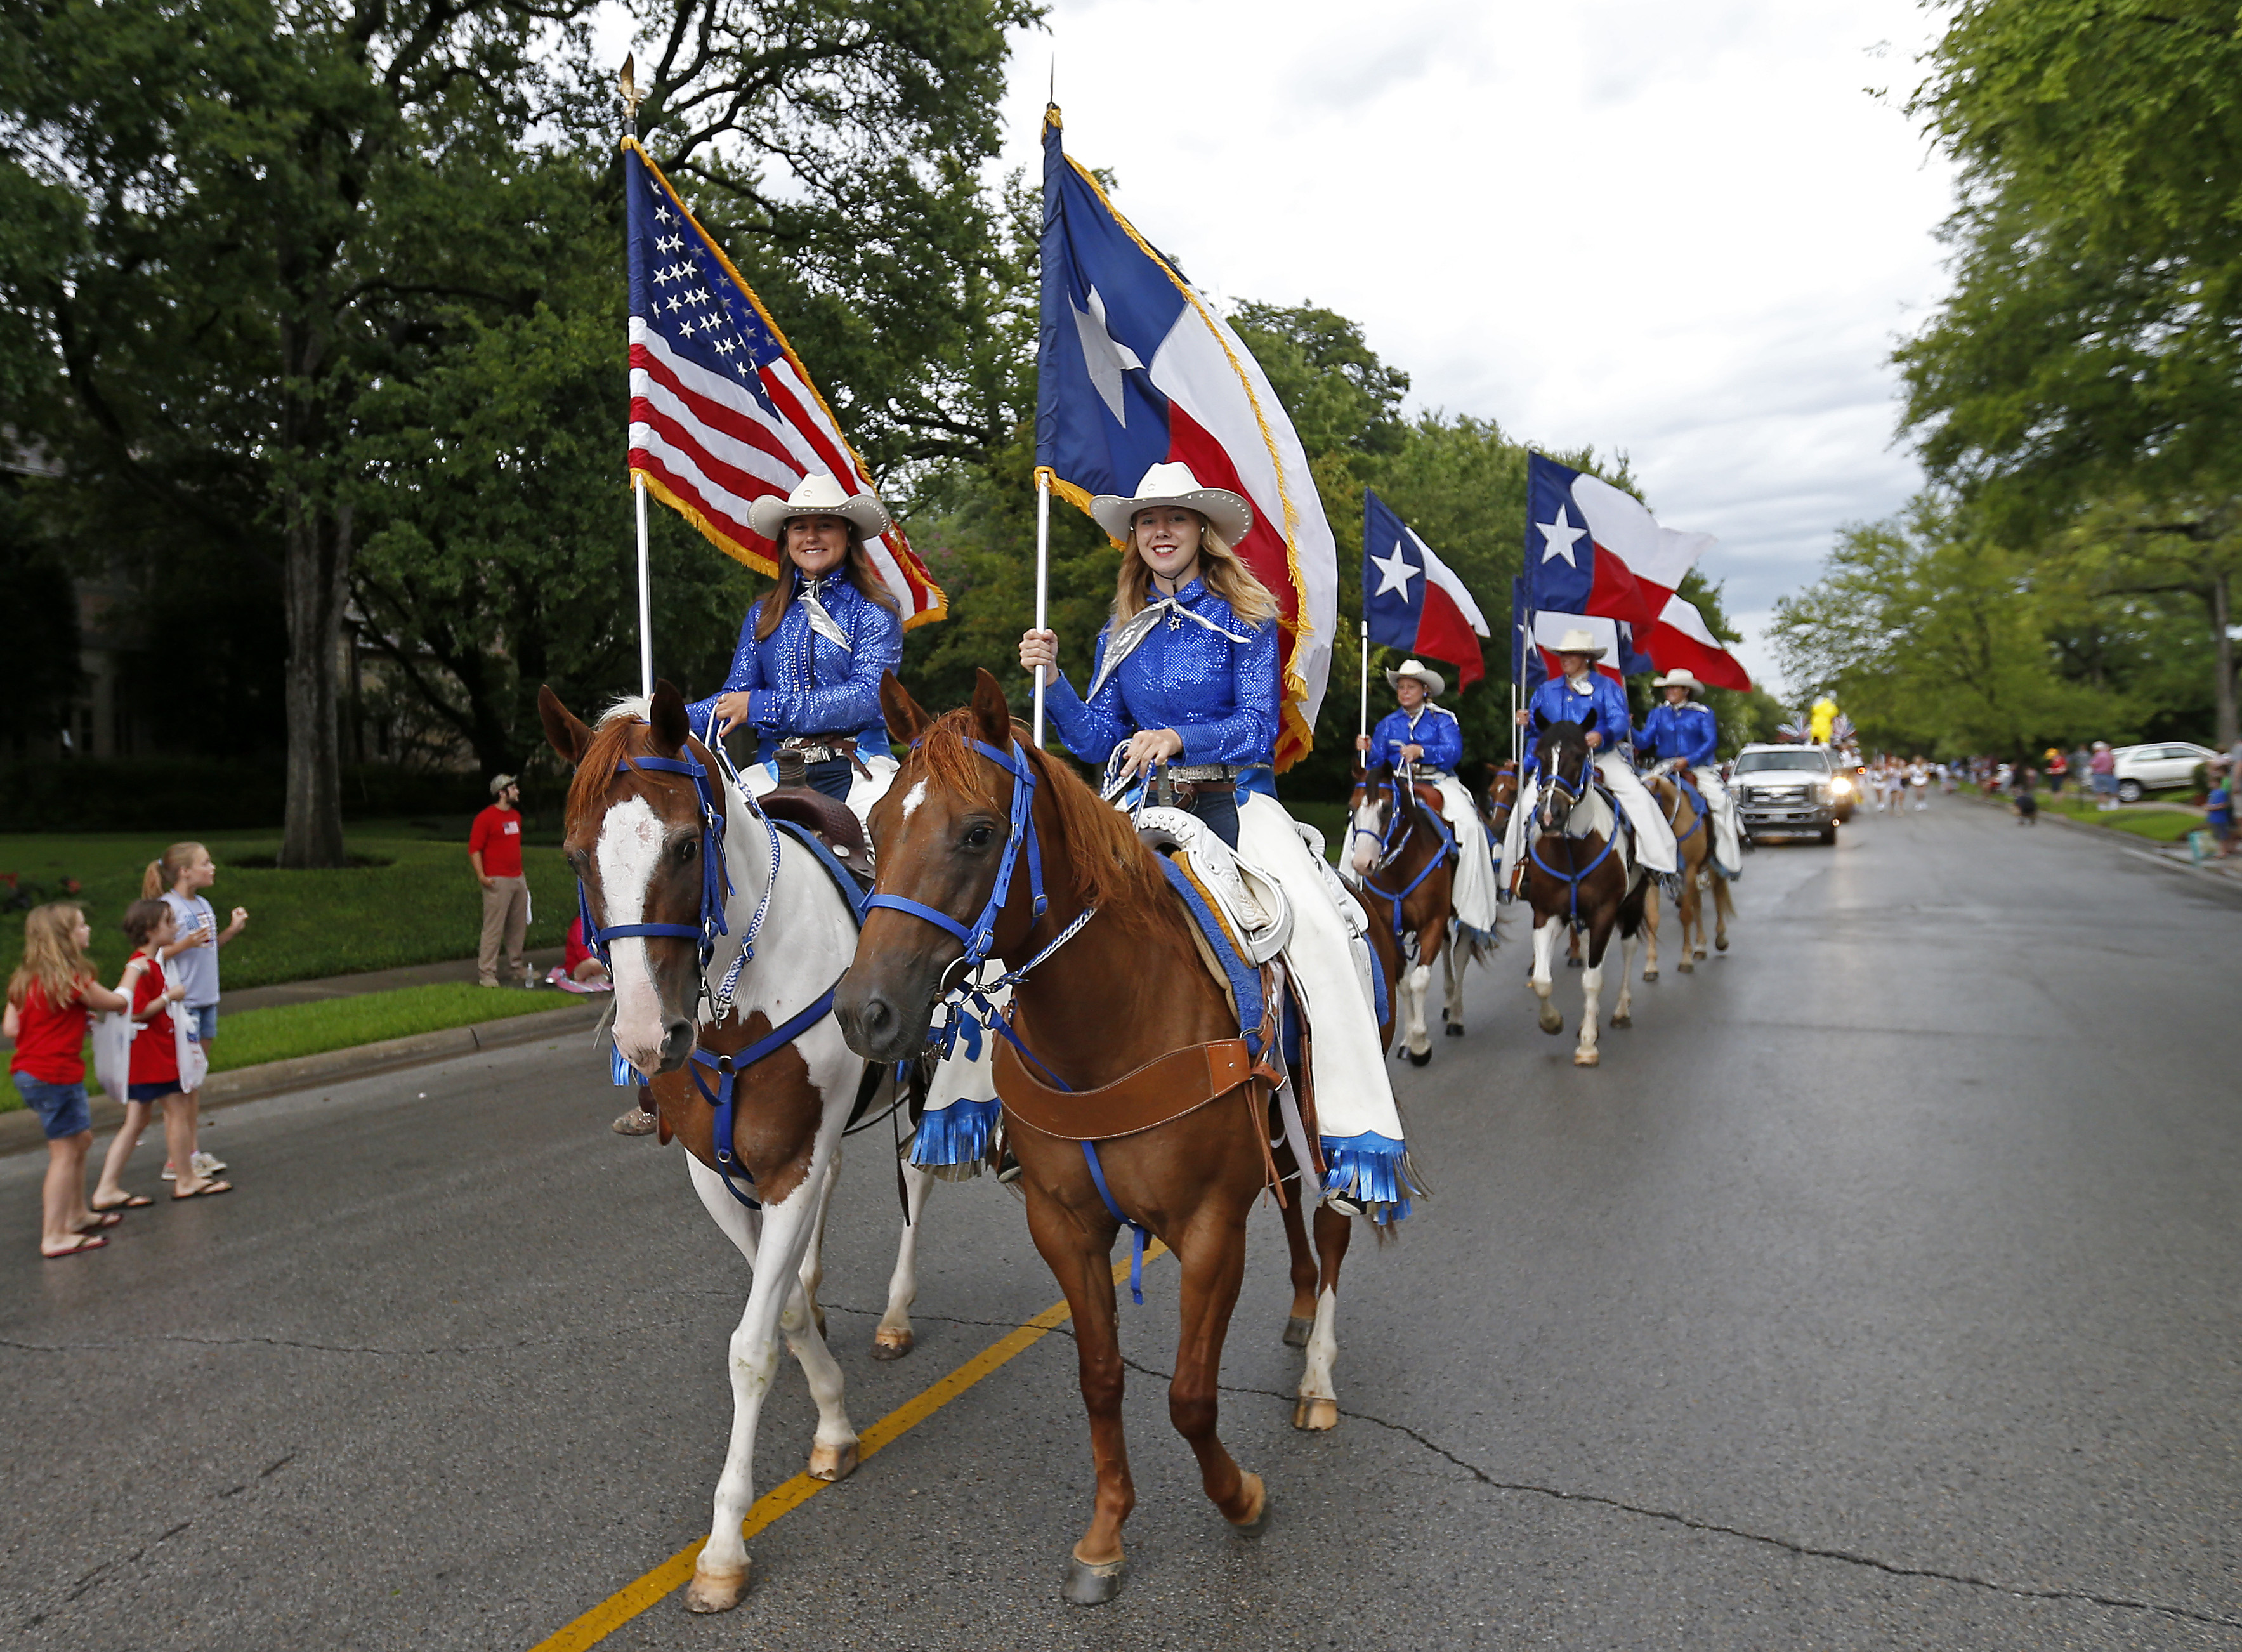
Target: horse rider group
(1680, 734)
(1182, 708)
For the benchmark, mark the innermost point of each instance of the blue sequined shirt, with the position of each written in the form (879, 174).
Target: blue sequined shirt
(799, 682)
(1602, 709)
(1688, 731)
(1434, 728)
(1219, 695)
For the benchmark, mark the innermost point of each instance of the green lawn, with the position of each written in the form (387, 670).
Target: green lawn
(422, 907)
(2159, 825)
(254, 1036)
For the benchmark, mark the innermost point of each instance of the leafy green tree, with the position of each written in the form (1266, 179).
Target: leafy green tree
(2091, 347)
(1933, 639)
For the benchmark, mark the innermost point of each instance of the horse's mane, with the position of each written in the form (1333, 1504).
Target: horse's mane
(610, 740)
(1111, 869)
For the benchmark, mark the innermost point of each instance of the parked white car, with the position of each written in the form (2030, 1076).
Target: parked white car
(2146, 769)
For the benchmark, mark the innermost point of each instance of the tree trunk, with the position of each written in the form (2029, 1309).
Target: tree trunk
(2222, 616)
(316, 586)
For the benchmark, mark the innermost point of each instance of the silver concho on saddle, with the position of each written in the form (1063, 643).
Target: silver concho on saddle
(1252, 905)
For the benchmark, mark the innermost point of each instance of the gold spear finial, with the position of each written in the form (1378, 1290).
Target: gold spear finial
(631, 95)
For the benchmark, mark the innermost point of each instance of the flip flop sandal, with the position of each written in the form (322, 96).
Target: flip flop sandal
(207, 1189)
(104, 1218)
(85, 1242)
(130, 1202)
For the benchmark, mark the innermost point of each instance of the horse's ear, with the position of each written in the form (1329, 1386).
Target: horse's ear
(568, 736)
(667, 714)
(991, 714)
(906, 719)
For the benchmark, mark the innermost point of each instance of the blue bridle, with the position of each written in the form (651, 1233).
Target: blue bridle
(715, 894)
(1390, 847)
(1558, 784)
(979, 940)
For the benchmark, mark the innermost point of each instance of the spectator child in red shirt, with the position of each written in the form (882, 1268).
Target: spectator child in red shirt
(47, 998)
(154, 1075)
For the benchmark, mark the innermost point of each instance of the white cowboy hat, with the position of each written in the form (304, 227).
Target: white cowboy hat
(1680, 677)
(1577, 641)
(1173, 484)
(818, 494)
(1435, 684)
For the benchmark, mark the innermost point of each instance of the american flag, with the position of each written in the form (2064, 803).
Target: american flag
(723, 411)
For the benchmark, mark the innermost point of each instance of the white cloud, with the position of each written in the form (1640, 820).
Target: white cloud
(1683, 230)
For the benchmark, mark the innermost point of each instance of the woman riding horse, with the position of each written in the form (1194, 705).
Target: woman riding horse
(1681, 735)
(1585, 696)
(1184, 681)
(806, 675)
(1429, 738)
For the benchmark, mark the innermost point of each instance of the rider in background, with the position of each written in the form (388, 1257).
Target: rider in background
(806, 675)
(1585, 697)
(1185, 694)
(1429, 737)
(1681, 735)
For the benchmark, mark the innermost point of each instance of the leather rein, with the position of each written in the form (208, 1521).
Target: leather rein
(1400, 815)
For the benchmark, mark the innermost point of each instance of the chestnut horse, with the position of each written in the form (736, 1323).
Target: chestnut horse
(1693, 844)
(1580, 874)
(701, 900)
(1403, 857)
(1107, 979)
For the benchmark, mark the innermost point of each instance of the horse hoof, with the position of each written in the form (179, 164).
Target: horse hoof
(1650, 974)
(1701, 954)
(715, 1591)
(1720, 944)
(892, 1344)
(1297, 1329)
(1455, 1029)
(832, 1462)
(1587, 1058)
(1316, 1415)
(1092, 1585)
(1257, 1522)
(1623, 1021)
(1685, 967)
(1575, 964)
(1551, 1022)
(1416, 1060)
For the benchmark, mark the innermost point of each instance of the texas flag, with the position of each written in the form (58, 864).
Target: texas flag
(1593, 550)
(1135, 369)
(1412, 600)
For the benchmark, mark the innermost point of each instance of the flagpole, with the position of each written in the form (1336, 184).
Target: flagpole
(644, 597)
(1363, 723)
(1043, 578)
(626, 86)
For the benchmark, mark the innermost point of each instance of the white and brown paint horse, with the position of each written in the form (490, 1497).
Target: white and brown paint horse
(1580, 875)
(636, 838)
(1403, 859)
(1693, 842)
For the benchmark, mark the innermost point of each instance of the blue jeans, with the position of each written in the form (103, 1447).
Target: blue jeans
(1217, 812)
(63, 1109)
(204, 1025)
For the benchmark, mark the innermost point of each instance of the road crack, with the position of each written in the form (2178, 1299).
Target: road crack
(1690, 1522)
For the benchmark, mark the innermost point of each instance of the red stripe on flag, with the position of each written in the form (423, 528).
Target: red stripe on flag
(741, 425)
(1444, 633)
(1263, 547)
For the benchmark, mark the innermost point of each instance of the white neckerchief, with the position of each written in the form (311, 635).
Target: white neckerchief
(820, 622)
(1126, 639)
(1587, 685)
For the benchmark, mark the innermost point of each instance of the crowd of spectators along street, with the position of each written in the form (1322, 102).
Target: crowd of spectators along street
(166, 1006)
(2090, 770)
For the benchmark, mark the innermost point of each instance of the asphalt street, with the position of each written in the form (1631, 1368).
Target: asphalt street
(1880, 1289)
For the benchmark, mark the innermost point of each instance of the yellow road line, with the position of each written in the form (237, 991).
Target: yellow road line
(673, 1574)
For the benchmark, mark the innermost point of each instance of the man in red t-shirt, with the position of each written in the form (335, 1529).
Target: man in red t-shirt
(494, 851)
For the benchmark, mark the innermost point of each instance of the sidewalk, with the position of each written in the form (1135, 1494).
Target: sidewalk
(349, 986)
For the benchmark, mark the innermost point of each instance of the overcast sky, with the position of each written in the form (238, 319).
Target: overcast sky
(1679, 229)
